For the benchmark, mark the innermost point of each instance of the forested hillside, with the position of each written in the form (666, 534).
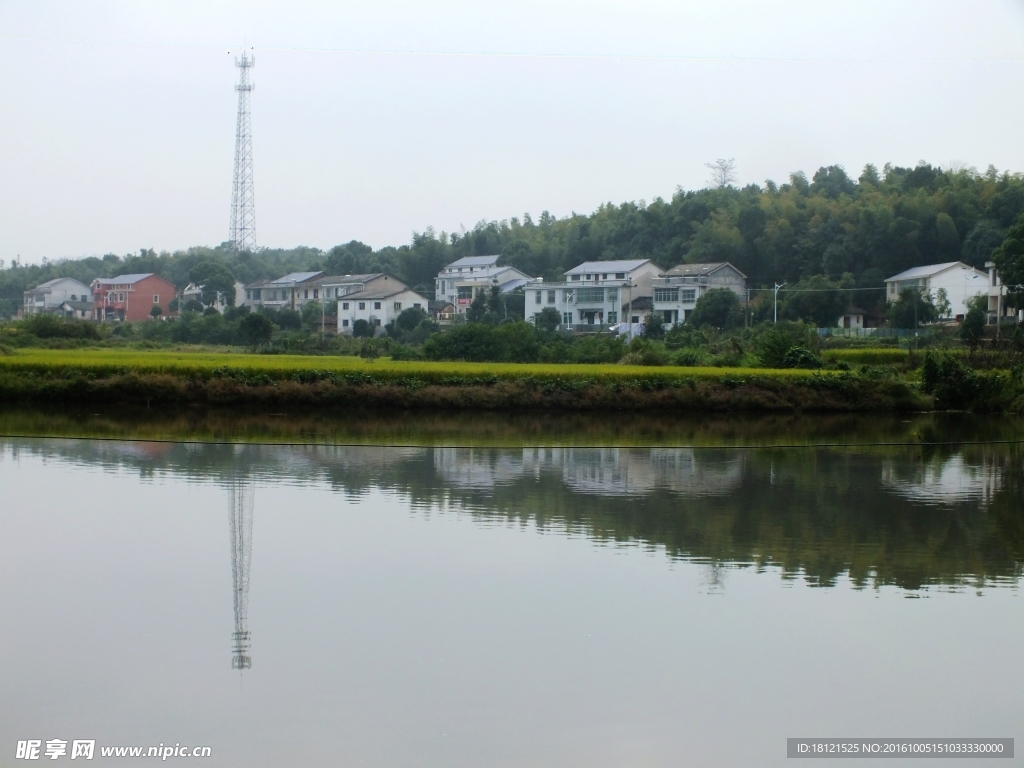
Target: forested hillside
(871, 226)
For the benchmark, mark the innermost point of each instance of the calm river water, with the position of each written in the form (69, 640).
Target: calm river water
(431, 604)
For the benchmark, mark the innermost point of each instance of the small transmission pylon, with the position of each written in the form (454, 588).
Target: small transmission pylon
(243, 200)
(241, 556)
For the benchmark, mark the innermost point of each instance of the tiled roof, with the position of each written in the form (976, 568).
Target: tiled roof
(377, 292)
(696, 270)
(588, 267)
(474, 261)
(295, 277)
(926, 271)
(123, 279)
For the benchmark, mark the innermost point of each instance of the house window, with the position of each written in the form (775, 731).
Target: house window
(589, 277)
(590, 296)
(465, 292)
(376, 322)
(688, 294)
(417, 305)
(613, 318)
(613, 294)
(344, 305)
(567, 318)
(604, 276)
(120, 297)
(398, 306)
(362, 305)
(256, 293)
(306, 294)
(666, 294)
(248, 295)
(620, 275)
(551, 297)
(344, 323)
(575, 277)
(316, 293)
(376, 305)
(156, 298)
(536, 297)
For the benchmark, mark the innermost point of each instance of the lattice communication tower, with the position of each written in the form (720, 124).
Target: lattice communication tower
(243, 200)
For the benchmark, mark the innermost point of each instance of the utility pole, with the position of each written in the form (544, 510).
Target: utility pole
(243, 202)
(777, 287)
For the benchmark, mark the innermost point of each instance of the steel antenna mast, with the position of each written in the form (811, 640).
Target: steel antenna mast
(243, 201)
(241, 556)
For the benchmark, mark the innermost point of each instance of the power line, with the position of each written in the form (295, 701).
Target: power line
(681, 446)
(816, 290)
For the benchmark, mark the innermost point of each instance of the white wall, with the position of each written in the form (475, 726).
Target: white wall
(59, 292)
(376, 311)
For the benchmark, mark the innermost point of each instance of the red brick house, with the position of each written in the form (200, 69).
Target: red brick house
(131, 297)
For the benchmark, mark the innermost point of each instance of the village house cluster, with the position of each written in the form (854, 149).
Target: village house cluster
(594, 295)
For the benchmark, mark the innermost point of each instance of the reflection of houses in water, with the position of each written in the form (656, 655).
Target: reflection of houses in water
(480, 468)
(946, 481)
(622, 471)
(601, 471)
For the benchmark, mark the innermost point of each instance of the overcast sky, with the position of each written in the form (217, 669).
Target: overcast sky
(373, 120)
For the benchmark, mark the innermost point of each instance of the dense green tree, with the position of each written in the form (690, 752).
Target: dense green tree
(1009, 259)
(547, 319)
(654, 326)
(410, 318)
(506, 343)
(818, 300)
(216, 278)
(255, 329)
(477, 310)
(362, 329)
(716, 308)
(973, 327)
(911, 309)
(287, 319)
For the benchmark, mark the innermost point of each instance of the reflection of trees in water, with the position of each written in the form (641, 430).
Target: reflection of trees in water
(905, 516)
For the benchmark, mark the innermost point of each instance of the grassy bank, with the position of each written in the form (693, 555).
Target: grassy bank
(163, 377)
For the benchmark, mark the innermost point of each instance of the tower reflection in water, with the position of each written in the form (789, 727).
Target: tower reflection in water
(241, 556)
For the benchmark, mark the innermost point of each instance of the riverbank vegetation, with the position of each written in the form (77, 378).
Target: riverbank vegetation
(484, 365)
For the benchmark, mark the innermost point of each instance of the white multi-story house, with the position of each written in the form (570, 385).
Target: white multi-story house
(997, 296)
(296, 290)
(463, 280)
(289, 292)
(595, 293)
(378, 305)
(960, 281)
(336, 286)
(676, 291)
(49, 296)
